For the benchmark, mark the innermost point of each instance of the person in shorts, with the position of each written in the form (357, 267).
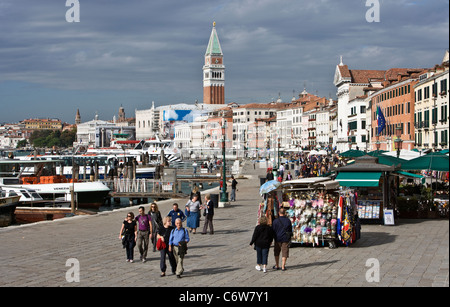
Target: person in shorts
(282, 227)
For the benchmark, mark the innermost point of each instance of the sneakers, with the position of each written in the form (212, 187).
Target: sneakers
(258, 268)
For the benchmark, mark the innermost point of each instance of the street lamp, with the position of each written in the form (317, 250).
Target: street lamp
(398, 141)
(278, 155)
(224, 196)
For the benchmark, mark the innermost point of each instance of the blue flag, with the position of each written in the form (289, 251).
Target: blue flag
(381, 122)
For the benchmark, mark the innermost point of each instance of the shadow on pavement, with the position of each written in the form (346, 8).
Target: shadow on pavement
(209, 271)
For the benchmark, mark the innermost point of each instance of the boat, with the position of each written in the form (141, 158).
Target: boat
(153, 148)
(51, 187)
(8, 205)
(27, 196)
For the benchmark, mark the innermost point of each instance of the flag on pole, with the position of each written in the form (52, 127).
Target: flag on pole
(381, 122)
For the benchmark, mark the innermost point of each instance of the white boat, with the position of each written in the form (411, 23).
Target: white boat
(152, 148)
(52, 187)
(27, 196)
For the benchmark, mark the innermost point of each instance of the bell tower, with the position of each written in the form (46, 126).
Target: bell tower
(214, 71)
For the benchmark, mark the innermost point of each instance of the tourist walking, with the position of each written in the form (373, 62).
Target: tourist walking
(281, 171)
(233, 188)
(282, 228)
(193, 213)
(179, 237)
(127, 234)
(263, 236)
(209, 214)
(144, 222)
(176, 213)
(156, 221)
(196, 191)
(163, 234)
(269, 175)
(194, 165)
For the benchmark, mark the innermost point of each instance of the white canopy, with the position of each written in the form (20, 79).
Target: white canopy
(404, 154)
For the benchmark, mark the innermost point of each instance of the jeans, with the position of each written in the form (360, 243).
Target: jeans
(233, 195)
(172, 261)
(262, 255)
(129, 246)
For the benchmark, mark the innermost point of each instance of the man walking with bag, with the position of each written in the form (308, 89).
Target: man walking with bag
(179, 238)
(282, 227)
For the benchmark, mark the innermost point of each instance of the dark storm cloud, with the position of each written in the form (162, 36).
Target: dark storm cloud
(133, 52)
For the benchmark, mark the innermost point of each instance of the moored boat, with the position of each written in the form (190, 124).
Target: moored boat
(8, 205)
(53, 187)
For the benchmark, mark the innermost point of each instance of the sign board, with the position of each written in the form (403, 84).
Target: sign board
(389, 217)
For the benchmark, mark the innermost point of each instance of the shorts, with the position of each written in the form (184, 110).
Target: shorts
(282, 247)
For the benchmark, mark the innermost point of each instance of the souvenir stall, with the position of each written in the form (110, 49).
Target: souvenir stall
(374, 185)
(320, 213)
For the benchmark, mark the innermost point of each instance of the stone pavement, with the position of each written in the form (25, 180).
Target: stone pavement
(412, 253)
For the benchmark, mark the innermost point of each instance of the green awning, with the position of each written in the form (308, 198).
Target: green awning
(409, 174)
(358, 179)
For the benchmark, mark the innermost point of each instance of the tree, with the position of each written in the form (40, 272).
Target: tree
(22, 143)
(50, 138)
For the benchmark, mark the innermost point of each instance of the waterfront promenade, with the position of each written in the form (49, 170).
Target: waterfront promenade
(411, 253)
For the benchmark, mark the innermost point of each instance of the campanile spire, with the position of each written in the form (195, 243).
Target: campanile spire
(214, 71)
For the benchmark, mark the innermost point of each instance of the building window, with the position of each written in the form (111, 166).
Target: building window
(427, 118)
(419, 95)
(435, 89)
(443, 86)
(434, 116)
(444, 136)
(444, 114)
(426, 92)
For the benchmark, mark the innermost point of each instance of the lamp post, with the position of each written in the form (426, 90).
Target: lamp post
(278, 153)
(377, 143)
(398, 141)
(224, 196)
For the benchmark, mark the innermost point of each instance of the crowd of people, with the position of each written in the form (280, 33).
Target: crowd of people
(167, 235)
(304, 166)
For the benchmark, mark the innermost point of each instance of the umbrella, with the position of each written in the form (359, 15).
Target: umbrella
(353, 153)
(404, 154)
(313, 152)
(269, 186)
(434, 161)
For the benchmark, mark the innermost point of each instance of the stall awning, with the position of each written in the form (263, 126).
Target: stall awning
(358, 179)
(409, 174)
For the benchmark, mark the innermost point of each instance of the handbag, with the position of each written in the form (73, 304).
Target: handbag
(160, 244)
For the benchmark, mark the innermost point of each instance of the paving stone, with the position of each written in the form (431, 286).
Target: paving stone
(411, 253)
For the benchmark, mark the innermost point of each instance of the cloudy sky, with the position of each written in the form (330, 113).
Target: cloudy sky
(134, 52)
